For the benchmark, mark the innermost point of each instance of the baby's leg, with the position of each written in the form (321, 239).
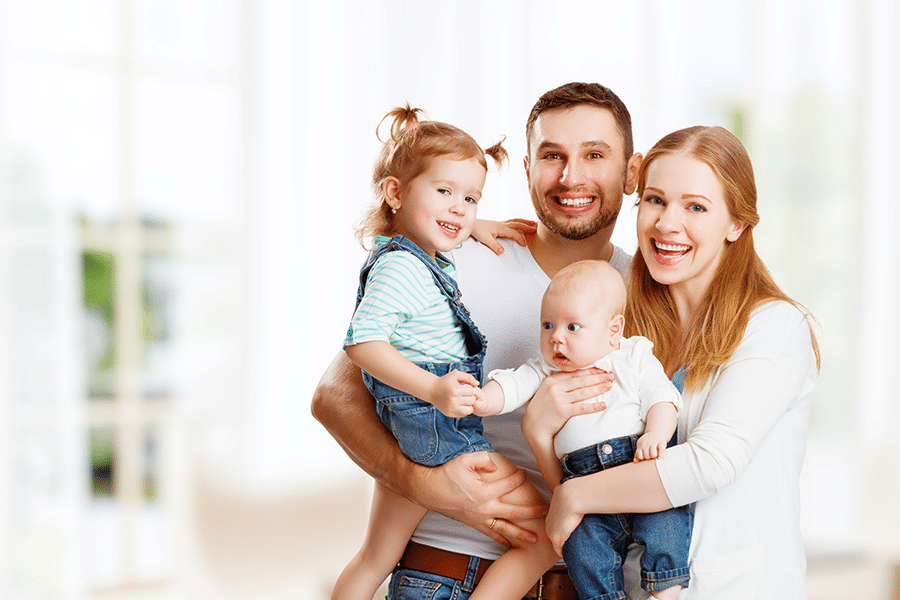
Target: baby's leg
(392, 521)
(515, 573)
(667, 594)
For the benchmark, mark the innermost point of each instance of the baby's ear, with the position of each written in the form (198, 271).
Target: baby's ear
(616, 330)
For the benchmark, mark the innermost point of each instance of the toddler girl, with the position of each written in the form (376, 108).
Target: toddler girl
(420, 353)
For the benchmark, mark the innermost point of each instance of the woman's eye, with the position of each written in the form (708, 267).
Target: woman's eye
(573, 327)
(696, 208)
(654, 200)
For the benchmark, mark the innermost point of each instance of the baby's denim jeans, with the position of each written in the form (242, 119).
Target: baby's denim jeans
(596, 550)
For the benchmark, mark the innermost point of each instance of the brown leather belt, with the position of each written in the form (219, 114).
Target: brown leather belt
(553, 585)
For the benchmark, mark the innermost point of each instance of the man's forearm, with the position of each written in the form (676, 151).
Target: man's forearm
(343, 405)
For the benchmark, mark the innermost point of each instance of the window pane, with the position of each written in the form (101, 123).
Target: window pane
(99, 316)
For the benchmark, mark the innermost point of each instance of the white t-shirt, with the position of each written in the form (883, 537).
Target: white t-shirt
(503, 294)
(640, 383)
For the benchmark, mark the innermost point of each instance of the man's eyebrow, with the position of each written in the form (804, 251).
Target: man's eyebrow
(547, 144)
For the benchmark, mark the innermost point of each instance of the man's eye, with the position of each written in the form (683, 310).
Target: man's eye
(573, 327)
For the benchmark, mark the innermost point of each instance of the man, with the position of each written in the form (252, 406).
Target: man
(579, 164)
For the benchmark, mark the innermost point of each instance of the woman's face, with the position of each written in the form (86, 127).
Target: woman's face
(683, 223)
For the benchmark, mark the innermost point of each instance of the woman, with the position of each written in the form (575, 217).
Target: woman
(747, 358)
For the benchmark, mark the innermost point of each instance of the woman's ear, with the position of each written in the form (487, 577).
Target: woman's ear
(616, 330)
(391, 189)
(737, 228)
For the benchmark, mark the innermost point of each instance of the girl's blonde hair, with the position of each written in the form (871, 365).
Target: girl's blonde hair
(405, 155)
(741, 282)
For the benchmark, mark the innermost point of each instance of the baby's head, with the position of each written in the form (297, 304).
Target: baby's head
(420, 161)
(581, 315)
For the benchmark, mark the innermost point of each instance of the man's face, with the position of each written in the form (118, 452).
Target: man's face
(576, 170)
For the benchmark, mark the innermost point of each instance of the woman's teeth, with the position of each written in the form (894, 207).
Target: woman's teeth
(663, 247)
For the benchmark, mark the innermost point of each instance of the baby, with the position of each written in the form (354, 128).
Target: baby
(581, 327)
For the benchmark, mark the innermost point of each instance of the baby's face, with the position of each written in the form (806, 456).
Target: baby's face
(575, 329)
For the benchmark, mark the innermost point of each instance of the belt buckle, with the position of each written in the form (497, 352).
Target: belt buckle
(540, 588)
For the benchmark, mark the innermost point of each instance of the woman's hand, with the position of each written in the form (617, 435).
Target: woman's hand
(562, 518)
(560, 397)
(469, 489)
(488, 232)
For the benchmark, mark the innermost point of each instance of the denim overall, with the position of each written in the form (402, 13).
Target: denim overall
(427, 436)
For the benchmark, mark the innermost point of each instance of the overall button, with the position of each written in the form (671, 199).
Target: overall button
(606, 449)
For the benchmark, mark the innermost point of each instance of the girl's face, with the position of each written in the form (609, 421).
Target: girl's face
(436, 210)
(683, 223)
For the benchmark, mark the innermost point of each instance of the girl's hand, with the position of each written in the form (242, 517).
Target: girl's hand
(488, 232)
(560, 397)
(562, 518)
(454, 394)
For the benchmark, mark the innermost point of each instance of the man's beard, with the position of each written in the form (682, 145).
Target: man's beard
(572, 229)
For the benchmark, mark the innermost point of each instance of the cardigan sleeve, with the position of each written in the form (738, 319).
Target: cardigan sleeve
(765, 377)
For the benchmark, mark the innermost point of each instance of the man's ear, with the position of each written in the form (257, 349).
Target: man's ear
(391, 189)
(616, 330)
(631, 172)
(527, 173)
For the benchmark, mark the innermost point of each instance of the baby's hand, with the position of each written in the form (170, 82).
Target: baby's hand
(651, 445)
(454, 394)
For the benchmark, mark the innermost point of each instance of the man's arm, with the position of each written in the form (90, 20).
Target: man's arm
(462, 489)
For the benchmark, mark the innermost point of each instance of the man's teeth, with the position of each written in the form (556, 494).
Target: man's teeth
(574, 201)
(672, 247)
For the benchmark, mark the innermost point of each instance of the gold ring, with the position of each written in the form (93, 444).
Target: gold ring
(494, 522)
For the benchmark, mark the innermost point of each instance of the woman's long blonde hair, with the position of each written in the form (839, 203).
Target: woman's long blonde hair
(741, 282)
(405, 154)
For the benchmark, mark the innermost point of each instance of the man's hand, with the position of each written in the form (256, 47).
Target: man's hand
(471, 489)
(560, 397)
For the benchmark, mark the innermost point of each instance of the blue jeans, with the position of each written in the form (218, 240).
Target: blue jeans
(596, 550)
(407, 584)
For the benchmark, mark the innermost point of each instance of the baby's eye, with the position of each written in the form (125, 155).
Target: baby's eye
(547, 326)
(444, 191)
(471, 199)
(573, 327)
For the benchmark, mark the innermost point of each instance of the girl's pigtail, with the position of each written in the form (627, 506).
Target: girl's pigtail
(404, 119)
(498, 153)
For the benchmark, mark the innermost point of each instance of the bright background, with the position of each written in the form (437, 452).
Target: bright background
(178, 184)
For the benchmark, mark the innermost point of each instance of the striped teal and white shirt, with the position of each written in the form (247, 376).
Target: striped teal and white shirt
(403, 306)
